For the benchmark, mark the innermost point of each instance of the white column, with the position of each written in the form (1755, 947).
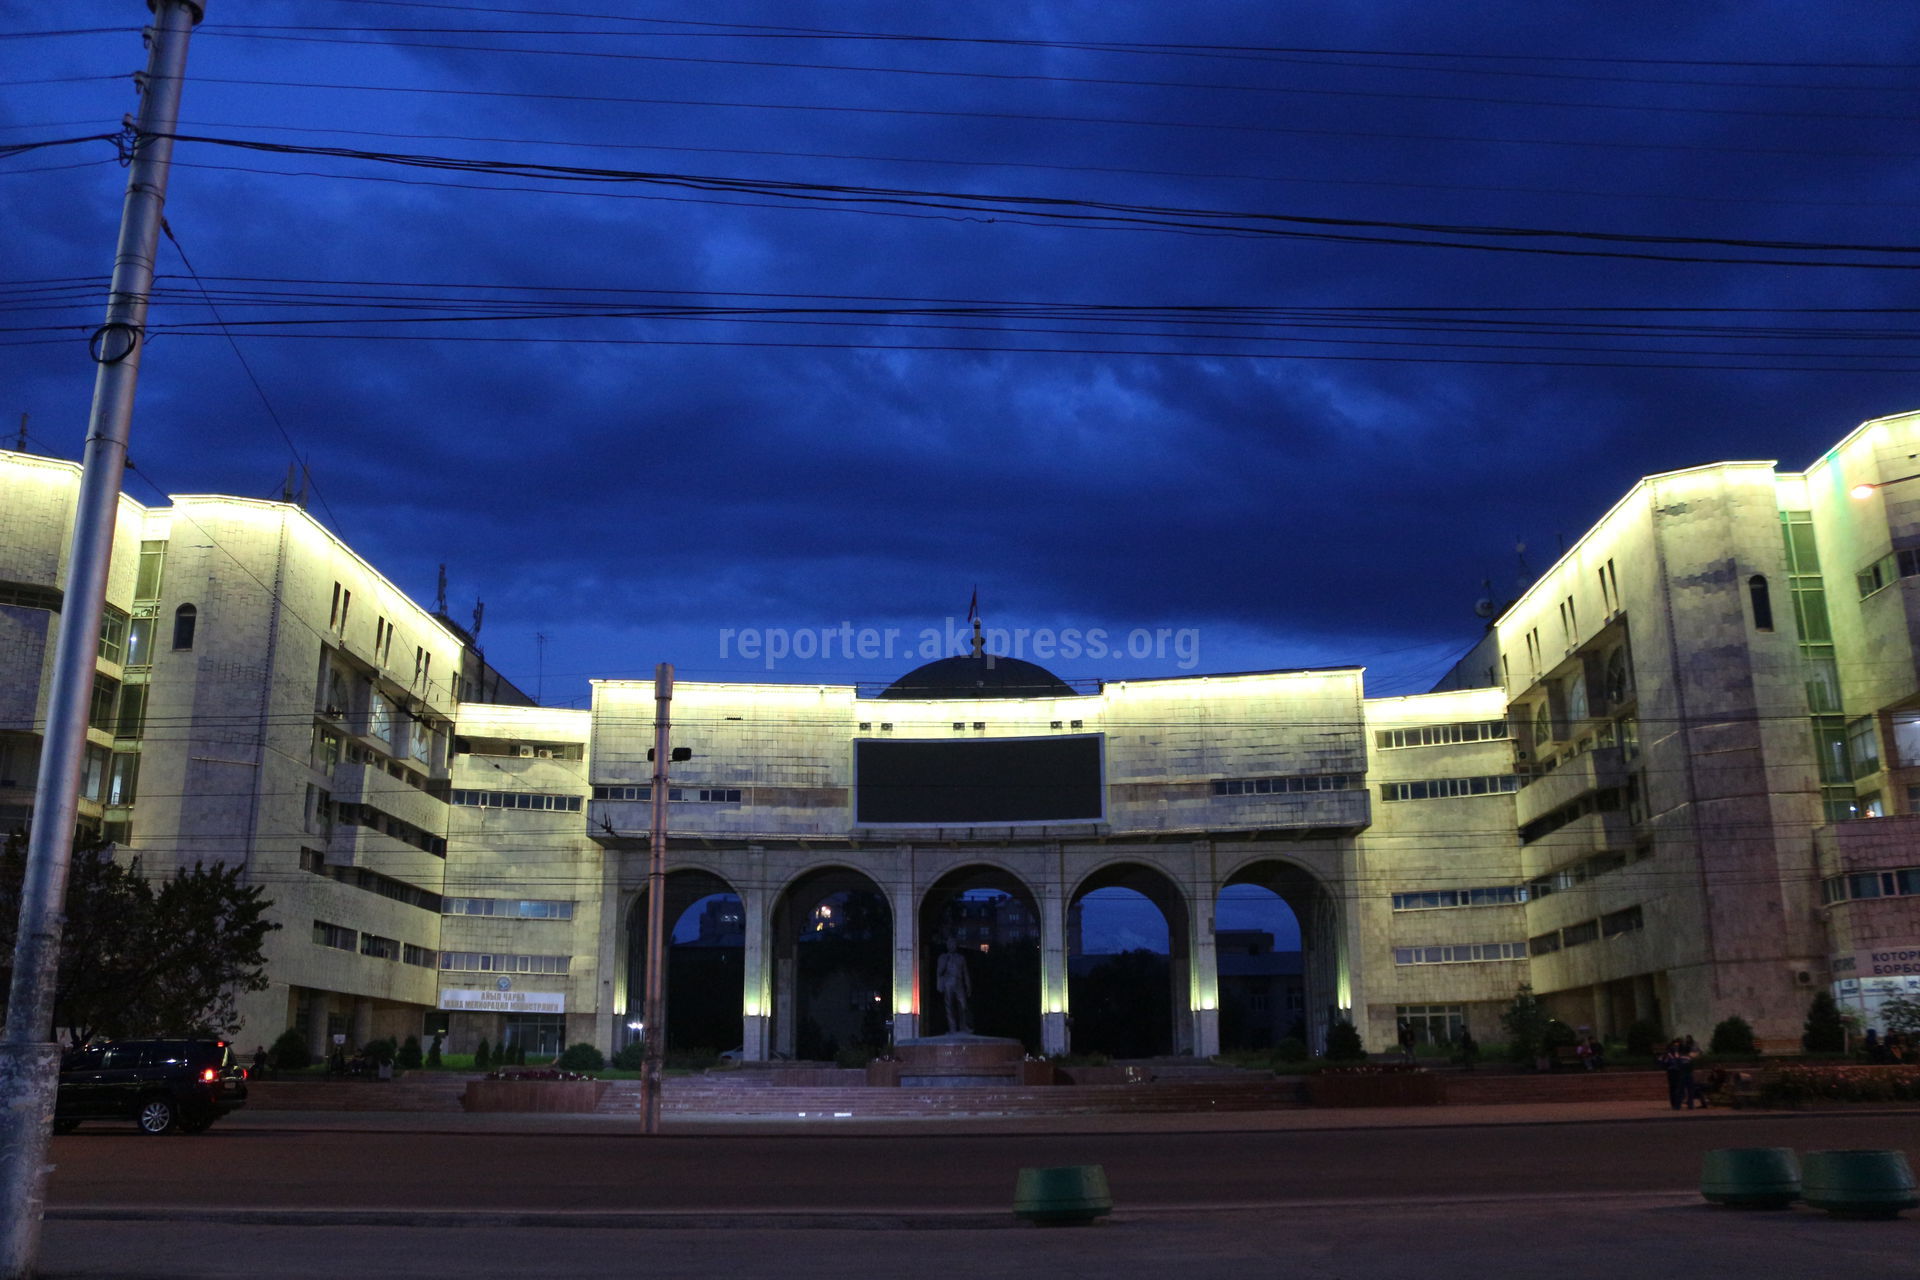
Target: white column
(1054, 1038)
(612, 994)
(755, 995)
(1205, 980)
(904, 900)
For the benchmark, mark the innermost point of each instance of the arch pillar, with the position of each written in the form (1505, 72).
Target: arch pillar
(756, 988)
(1203, 985)
(904, 900)
(1054, 1036)
(610, 953)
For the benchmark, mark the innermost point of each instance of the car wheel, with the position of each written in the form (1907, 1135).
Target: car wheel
(157, 1115)
(65, 1126)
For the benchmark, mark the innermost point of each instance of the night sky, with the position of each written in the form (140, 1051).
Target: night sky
(1036, 322)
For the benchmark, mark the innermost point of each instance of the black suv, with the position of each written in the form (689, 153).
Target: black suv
(157, 1084)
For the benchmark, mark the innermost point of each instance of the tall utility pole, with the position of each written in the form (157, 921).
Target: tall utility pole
(655, 1029)
(29, 1059)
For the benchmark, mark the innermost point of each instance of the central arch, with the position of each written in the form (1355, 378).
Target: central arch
(1324, 976)
(994, 919)
(832, 934)
(705, 964)
(1138, 1001)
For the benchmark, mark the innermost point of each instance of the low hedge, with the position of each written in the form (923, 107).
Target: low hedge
(1794, 1086)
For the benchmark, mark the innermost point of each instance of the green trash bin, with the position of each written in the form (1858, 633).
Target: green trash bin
(1070, 1195)
(1858, 1184)
(1750, 1177)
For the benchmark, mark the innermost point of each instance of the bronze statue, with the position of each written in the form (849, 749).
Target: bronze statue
(951, 979)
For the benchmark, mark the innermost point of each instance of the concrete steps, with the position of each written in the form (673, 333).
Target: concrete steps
(699, 1096)
(413, 1091)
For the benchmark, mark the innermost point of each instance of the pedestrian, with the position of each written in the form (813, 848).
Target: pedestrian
(1678, 1065)
(1406, 1042)
(259, 1062)
(1469, 1049)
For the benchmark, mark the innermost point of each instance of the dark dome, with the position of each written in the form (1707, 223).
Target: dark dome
(979, 676)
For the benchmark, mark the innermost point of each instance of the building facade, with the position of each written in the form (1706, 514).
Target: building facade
(1677, 780)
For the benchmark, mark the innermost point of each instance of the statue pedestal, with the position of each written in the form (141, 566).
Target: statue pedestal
(959, 1062)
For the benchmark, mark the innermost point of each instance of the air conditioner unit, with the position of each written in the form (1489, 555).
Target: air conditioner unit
(526, 753)
(544, 753)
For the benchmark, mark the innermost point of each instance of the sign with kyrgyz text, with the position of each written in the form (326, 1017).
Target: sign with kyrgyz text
(1879, 962)
(475, 1000)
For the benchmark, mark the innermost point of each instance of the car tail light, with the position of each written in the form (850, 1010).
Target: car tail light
(210, 1074)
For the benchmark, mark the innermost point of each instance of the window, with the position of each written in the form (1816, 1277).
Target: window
(1432, 1023)
(1505, 895)
(708, 795)
(113, 635)
(378, 947)
(132, 715)
(326, 748)
(24, 595)
(422, 956)
(519, 800)
(333, 935)
(1542, 724)
(93, 773)
(511, 908)
(1544, 944)
(380, 718)
(1293, 785)
(337, 610)
(484, 962)
(1869, 805)
(1863, 746)
(184, 620)
(1432, 735)
(140, 638)
(146, 580)
(1449, 788)
(1616, 923)
(1460, 953)
(1575, 935)
(319, 811)
(106, 695)
(1577, 709)
(123, 771)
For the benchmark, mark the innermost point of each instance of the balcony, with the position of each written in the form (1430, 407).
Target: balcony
(1592, 771)
(378, 851)
(371, 784)
(1588, 833)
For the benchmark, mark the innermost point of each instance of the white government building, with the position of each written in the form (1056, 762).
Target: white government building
(1678, 779)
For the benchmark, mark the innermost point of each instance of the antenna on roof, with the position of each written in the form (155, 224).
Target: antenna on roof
(440, 596)
(20, 445)
(479, 612)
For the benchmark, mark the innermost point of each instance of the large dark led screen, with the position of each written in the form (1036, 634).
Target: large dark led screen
(949, 784)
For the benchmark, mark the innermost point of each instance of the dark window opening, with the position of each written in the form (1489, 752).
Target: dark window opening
(184, 620)
(1762, 602)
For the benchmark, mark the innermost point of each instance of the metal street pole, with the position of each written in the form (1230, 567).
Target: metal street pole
(29, 1059)
(656, 1006)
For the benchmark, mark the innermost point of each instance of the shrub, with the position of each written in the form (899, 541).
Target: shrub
(1901, 1014)
(632, 1057)
(1343, 1043)
(1644, 1037)
(582, 1057)
(380, 1050)
(1734, 1038)
(433, 1051)
(1527, 1026)
(289, 1052)
(1291, 1049)
(1824, 1032)
(409, 1055)
(520, 1055)
(482, 1059)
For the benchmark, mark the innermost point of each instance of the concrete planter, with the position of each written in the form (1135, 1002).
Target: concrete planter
(1070, 1195)
(1859, 1184)
(1750, 1177)
(567, 1097)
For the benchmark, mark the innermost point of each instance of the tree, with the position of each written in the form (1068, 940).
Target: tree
(1343, 1043)
(1527, 1025)
(1900, 1014)
(1825, 1031)
(1734, 1038)
(141, 957)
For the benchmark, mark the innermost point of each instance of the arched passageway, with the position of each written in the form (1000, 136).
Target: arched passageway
(706, 934)
(1257, 951)
(832, 935)
(994, 920)
(1130, 988)
(1323, 978)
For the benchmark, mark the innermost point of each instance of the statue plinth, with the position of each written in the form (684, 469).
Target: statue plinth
(959, 1062)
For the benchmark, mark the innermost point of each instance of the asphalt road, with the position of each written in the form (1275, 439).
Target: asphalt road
(259, 1166)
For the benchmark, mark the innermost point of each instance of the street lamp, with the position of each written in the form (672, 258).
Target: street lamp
(1865, 489)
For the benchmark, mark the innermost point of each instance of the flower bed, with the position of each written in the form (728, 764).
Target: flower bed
(1798, 1086)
